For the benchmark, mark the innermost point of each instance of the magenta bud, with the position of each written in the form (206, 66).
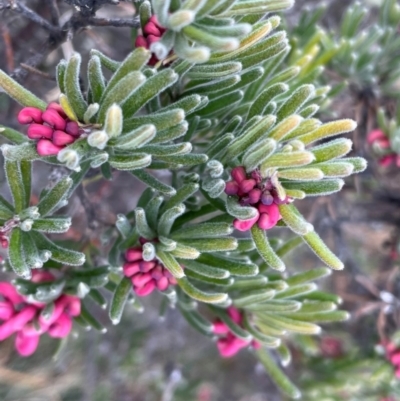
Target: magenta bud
(133, 254)
(245, 225)
(72, 128)
(247, 185)
(267, 198)
(9, 292)
(238, 174)
(254, 196)
(57, 108)
(146, 289)
(235, 314)
(6, 310)
(265, 222)
(4, 243)
(131, 268)
(173, 281)
(139, 280)
(145, 267)
(60, 138)
(38, 131)
(53, 118)
(231, 188)
(256, 175)
(141, 42)
(30, 114)
(61, 328)
(151, 29)
(40, 276)
(395, 358)
(157, 272)
(26, 345)
(374, 135)
(72, 305)
(386, 161)
(162, 283)
(45, 147)
(220, 328)
(152, 39)
(271, 210)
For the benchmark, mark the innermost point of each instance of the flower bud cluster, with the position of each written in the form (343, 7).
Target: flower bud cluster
(146, 276)
(381, 144)
(52, 129)
(253, 190)
(228, 344)
(152, 32)
(30, 320)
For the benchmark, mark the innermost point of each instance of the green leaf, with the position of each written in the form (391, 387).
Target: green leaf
(29, 249)
(72, 86)
(289, 324)
(170, 264)
(6, 210)
(214, 71)
(332, 316)
(130, 162)
(319, 188)
(119, 299)
(212, 245)
(19, 93)
(310, 275)
(240, 212)
(280, 379)
(96, 79)
(56, 196)
(16, 255)
(296, 290)
(58, 253)
(314, 241)
(136, 138)
(197, 321)
(52, 224)
(240, 268)
(287, 159)
(258, 153)
(153, 182)
(168, 218)
(246, 299)
(60, 74)
(206, 270)
(294, 220)
(110, 64)
(195, 293)
(265, 250)
(296, 100)
(91, 320)
(203, 230)
(270, 342)
(151, 88)
(16, 184)
(327, 130)
(13, 135)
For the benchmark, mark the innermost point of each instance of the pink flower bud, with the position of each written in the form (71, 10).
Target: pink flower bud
(40, 276)
(386, 161)
(151, 29)
(45, 147)
(6, 310)
(173, 281)
(220, 328)
(131, 268)
(57, 311)
(265, 222)
(157, 273)
(255, 344)
(57, 108)
(26, 346)
(38, 131)
(139, 280)
(133, 254)
(238, 174)
(17, 322)
(231, 188)
(61, 328)
(245, 225)
(235, 314)
(72, 128)
(9, 292)
(247, 185)
(30, 114)
(34, 329)
(146, 289)
(145, 267)
(267, 198)
(61, 138)
(271, 210)
(254, 196)
(141, 42)
(374, 135)
(162, 284)
(382, 143)
(4, 243)
(53, 118)
(72, 305)
(152, 39)
(230, 347)
(395, 358)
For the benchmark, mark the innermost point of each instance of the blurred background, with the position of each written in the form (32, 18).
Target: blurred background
(153, 354)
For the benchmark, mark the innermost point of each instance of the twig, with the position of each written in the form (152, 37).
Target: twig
(8, 46)
(34, 70)
(54, 12)
(116, 22)
(31, 15)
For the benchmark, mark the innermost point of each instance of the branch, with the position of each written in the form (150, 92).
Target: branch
(117, 22)
(54, 12)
